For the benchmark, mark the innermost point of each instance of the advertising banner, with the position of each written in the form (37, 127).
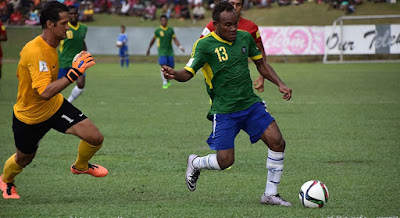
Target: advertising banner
(295, 40)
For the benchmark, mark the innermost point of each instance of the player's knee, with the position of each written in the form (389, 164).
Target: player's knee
(97, 140)
(279, 146)
(24, 160)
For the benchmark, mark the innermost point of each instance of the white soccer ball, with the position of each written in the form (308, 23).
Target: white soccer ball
(314, 194)
(119, 43)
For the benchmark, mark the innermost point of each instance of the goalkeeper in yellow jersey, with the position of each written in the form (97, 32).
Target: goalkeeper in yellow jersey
(40, 106)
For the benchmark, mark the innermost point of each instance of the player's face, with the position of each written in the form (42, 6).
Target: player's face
(122, 30)
(237, 4)
(61, 27)
(164, 21)
(226, 28)
(73, 15)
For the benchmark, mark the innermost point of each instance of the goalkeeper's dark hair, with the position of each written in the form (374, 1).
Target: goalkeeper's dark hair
(221, 7)
(51, 11)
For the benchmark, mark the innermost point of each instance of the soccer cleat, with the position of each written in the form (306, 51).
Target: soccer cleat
(192, 174)
(169, 84)
(93, 170)
(9, 189)
(165, 86)
(274, 200)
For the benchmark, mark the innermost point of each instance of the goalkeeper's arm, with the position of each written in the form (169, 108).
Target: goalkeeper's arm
(81, 62)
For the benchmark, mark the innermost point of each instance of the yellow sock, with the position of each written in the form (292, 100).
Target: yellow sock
(85, 153)
(11, 169)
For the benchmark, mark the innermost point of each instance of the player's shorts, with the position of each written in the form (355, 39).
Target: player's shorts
(27, 136)
(123, 51)
(63, 72)
(166, 60)
(254, 121)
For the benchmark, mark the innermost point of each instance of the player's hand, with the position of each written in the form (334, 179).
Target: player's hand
(168, 72)
(148, 52)
(182, 49)
(287, 92)
(83, 61)
(259, 84)
(80, 63)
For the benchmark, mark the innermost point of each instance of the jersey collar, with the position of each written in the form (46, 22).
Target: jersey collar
(220, 39)
(74, 27)
(163, 28)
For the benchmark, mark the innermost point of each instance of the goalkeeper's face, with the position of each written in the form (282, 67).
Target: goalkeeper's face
(60, 28)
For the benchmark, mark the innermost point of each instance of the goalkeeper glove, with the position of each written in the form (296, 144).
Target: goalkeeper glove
(80, 63)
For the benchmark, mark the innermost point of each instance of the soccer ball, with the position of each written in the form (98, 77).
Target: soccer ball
(313, 194)
(119, 43)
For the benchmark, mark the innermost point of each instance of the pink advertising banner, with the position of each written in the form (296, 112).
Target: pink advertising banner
(296, 40)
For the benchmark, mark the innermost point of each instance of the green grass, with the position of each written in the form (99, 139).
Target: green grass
(341, 127)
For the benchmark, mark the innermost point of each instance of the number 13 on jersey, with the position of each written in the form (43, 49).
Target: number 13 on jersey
(221, 52)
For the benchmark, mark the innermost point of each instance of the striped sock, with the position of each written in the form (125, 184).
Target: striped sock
(275, 168)
(207, 162)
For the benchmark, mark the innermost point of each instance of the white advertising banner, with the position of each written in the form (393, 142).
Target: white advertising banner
(357, 39)
(395, 39)
(315, 40)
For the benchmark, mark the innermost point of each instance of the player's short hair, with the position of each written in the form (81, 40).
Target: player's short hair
(221, 7)
(51, 11)
(72, 7)
(163, 16)
(123, 26)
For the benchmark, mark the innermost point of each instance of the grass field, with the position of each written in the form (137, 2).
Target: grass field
(341, 127)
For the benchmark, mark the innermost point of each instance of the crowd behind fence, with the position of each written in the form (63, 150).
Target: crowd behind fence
(26, 12)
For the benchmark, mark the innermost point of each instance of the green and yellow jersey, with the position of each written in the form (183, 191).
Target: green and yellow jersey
(226, 71)
(72, 45)
(164, 37)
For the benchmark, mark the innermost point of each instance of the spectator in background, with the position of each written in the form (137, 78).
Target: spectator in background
(167, 9)
(88, 12)
(101, 6)
(198, 12)
(149, 11)
(124, 8)
(15, 4)
(3, 37)
(33, 16)
(137, 8)
(4, 13)
(17, 18)
(185, 12)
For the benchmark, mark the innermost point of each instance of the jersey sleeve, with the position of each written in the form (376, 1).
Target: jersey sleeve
(173, 33)
(84, 32)
(208, 29)
(254, 52)
(197, 59)
(256, 34)
(39, 71)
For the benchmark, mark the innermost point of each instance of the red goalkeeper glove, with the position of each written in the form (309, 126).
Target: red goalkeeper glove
(80, 63)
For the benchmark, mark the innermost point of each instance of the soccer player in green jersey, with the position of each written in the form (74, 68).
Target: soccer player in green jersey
(164, 36)
(235, 105)
(69, 47)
